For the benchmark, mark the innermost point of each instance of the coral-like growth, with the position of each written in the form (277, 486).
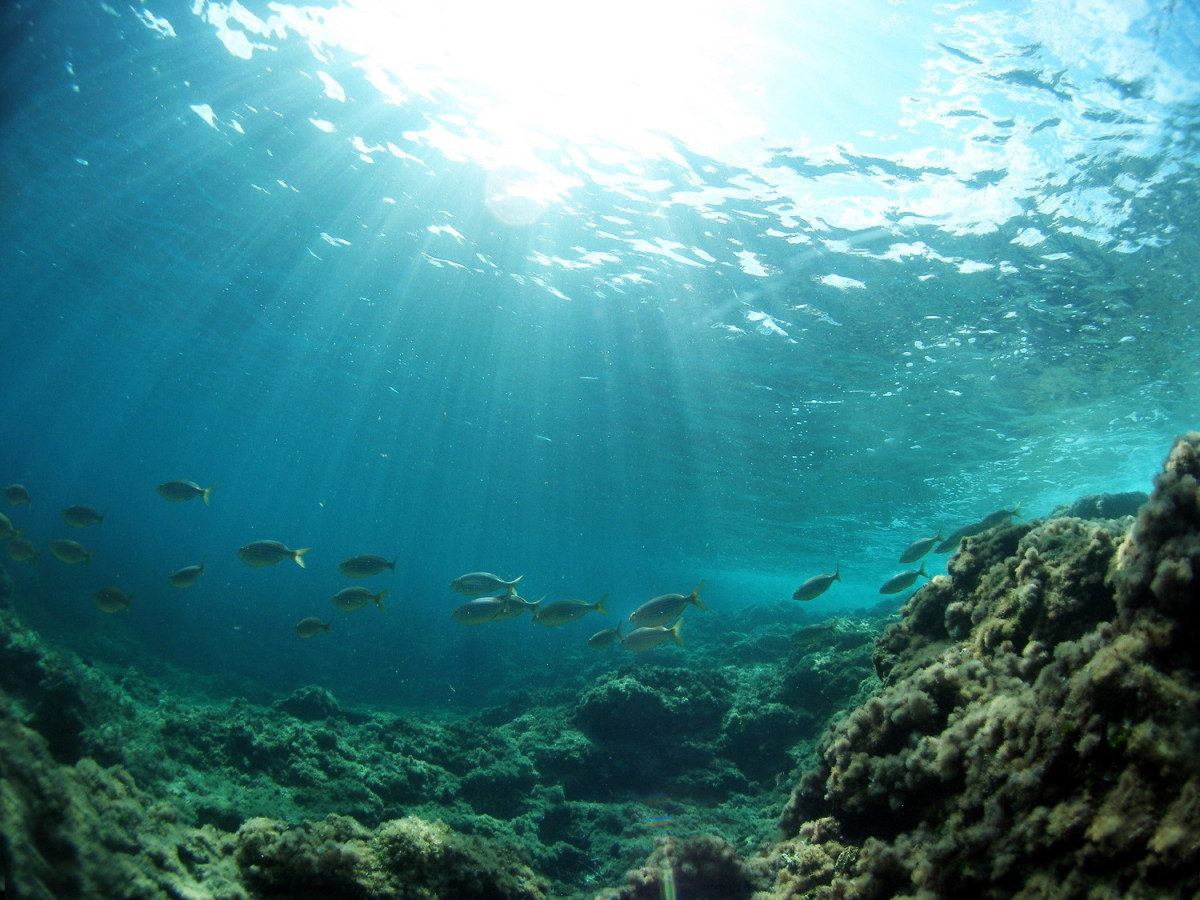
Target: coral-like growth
(407, 859)
(1037, 731)
(701, 867)
(310, 704)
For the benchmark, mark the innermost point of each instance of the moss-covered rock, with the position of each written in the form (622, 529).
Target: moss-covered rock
(1038, 727)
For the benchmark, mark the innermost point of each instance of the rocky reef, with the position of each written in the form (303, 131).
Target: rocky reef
(142, 776)
(1026, 726)
(1036, 733)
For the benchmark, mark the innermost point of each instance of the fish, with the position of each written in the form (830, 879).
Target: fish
(482, 583)
(311, 626)
(560, 612)
(917, 549)
(605, 638)
(953, 541)
(267, 553)
(479, 611)
(814, 587)
(112, 600)
(1000, 517)
(899, 582)
(182, 491)
(991, 520)
(664, 609)
(70, 552)
(187, 576)
(513, 606)
(17, 495)
(352, 598)
(81, 516)
(22, 549)
(7, 530)
(650, 636)
(812, 634)
(365, 565)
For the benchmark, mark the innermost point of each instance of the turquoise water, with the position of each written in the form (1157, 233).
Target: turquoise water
(614, 304)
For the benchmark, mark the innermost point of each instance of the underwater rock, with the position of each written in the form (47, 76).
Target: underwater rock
(82, 830)
(404, 858)
(310, 704)
(644, 704)
(654, 723)
(79, 830)
(1160, 561)
(1103, 506)
(1038, 727)
(701, 867)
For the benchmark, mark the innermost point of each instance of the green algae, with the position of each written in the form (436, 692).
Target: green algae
(579, 782)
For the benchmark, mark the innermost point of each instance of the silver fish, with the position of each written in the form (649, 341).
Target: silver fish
(817, 585)
(112, 600)
(513, 606)
(897, 583)
(81, 516)
(917, 549)
(991, 520)
(311, 626)
(605, 638)
(482, 583)
(352, 598)
(17, 495)
(664, 609)
(365, 565)
(181, 491)
(479, 611)
(70, 552)
(267, 553)
(7, 529)
(22, 550)
(649, 637)
(187, 576)
(560, 612)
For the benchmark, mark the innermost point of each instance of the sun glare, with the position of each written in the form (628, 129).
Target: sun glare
(620, 73)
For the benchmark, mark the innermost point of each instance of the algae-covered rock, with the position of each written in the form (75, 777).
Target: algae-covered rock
(310, 704)
(1038, 727)
(1103, 506)
(407, 859)
(82, 830)
(701, 866)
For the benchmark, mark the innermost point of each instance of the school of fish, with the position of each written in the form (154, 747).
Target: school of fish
(494, 599)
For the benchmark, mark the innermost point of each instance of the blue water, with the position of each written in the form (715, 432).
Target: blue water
(851, 278)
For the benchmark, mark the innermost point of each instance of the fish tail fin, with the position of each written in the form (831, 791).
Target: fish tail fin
(325, 625)
(297, 554)
(921, 571)
(87, 557)
(379, 600)
(696, 595)
(837, 571)
(204, 493)
(392, 564)
(600, 605)
(1017, 510)
(938, 537)
(676, 632)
